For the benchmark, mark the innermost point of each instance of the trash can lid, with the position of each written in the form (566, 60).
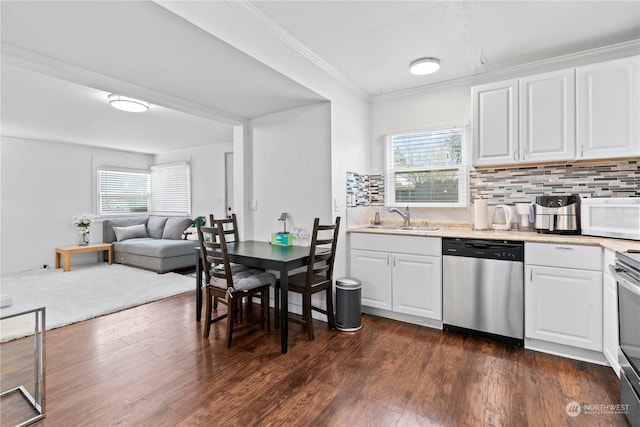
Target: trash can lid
(348, 283)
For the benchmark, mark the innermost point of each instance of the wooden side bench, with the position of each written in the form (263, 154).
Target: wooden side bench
(67, 251)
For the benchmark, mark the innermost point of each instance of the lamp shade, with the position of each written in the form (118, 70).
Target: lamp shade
(125, 103)
(423, 66)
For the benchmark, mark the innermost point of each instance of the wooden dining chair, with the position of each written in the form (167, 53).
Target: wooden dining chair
(229, 287)
(229, 225)
(317, 278)
(230, 229)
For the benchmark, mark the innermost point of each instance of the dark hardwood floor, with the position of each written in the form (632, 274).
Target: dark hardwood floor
(150, 366)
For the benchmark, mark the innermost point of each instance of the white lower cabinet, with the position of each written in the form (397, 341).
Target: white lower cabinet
(400, 274)
(563, 295)
(564, 306)
(416, 285)
(373, 270)
(610, 339)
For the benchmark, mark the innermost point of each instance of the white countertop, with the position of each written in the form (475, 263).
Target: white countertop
(526, 236)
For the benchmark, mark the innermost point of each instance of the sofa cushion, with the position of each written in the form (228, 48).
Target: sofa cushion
(175, 226)
(108, 235)
(130, 232)
(155, 226)
(160, 248)
(124, 245)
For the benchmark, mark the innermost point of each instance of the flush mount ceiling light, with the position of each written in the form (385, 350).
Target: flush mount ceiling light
(423, 66)
(125, 103)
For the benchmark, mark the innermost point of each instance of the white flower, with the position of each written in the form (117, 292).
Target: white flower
(82, 220)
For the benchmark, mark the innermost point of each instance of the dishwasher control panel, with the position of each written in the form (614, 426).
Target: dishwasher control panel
(499, 249)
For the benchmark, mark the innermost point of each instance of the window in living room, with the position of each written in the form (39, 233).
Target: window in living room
(171, 189)
(162, 190)
(122, 191)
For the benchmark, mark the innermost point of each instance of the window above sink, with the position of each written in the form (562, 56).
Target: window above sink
(427, 168)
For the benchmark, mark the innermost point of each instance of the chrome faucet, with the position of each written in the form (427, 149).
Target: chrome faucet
(406, 216)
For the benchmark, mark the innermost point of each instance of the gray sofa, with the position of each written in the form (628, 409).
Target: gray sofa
(150, 242)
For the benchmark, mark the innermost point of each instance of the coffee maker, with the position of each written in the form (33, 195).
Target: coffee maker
(557, 214)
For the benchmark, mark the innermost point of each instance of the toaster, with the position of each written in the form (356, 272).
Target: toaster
(557, 214)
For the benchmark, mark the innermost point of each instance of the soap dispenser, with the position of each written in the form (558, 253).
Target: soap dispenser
(376, 220)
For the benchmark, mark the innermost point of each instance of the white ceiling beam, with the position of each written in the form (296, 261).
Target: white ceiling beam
(32, 61)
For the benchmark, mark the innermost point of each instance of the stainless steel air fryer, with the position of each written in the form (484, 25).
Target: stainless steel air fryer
(557, 214)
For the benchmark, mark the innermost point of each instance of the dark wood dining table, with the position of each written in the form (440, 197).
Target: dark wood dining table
(262, 255)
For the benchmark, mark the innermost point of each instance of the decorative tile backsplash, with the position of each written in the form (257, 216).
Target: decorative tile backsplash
(614, 178)
(376, 190)
(357, 190)
(364, 190)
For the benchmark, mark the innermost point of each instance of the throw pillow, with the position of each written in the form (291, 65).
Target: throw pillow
(155, 226)
(175, 226)
(131, 232)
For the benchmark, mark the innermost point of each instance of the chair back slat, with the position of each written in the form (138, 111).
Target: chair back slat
(229, 226)
(213, 247)
(322, 264)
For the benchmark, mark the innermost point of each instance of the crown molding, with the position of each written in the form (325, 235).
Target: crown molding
(606, 53)
(264, 21)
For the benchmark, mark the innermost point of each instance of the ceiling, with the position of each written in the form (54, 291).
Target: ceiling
(372, 42)
(61, 59)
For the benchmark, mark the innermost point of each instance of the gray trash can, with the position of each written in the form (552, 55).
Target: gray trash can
(348, 304)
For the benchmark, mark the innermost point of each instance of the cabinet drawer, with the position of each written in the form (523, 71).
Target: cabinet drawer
(399, 244)
(564, 256)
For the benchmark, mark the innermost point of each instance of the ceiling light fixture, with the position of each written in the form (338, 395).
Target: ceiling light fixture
(423, 66)
(125, 103)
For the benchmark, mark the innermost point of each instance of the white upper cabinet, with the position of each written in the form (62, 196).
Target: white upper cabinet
(608, 112)
(588, 112)
(547, 117)
(495, 123)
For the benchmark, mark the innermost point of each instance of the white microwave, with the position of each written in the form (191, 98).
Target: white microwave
(611, 217)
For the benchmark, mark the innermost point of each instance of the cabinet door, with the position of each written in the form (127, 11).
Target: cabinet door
(564, 306)
(608, 111)
(417, 285)
(373, 269)
(495, 123)
(547, 117)
(610, 321)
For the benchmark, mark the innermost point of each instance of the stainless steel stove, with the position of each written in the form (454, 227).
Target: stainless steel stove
(627, 273)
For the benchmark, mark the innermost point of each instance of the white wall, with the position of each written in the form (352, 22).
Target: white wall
(417, 111)
(236, 24)
(291, 169)
(207, 177)
(43, 185)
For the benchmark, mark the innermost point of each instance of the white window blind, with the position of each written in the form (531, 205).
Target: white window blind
(427, 168)
(171, 189)
(122, 192)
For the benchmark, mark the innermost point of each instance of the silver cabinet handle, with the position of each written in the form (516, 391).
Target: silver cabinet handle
(581, 150)
(523, 153)
(515, 155)
(388, 259)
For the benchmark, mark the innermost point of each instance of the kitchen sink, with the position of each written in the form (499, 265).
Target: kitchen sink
(405, 228)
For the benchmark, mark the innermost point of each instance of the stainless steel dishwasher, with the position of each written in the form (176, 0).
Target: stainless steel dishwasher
(483, 288)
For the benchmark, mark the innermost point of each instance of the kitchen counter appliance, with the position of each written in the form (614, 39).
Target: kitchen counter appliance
(617, 217)
(483, 288)
(626, 271)
(557, 214)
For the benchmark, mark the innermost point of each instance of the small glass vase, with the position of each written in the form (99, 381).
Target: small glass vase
(84, 237)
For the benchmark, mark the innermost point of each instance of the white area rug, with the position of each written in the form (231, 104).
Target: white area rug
(87, 291)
